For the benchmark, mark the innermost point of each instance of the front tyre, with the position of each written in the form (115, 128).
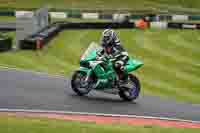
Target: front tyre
(78, 83)
(131, 90)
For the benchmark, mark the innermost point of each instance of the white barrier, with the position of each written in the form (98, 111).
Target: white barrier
(120, 17)
(180, 18)
(189, 26)
(24, 14)
(90, 15)
(59, 15)
(160, 25)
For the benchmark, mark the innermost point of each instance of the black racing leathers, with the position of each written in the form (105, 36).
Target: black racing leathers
(116, 52)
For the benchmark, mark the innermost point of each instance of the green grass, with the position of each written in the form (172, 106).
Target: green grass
(34, 125)
(94, 4)
(7, 19)
(171, 59)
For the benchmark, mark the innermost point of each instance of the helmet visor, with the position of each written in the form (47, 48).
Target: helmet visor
(107, 39)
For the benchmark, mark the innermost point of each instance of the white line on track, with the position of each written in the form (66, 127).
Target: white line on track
(96, 114)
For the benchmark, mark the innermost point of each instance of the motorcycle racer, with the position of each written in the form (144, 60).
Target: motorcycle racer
(112, 48)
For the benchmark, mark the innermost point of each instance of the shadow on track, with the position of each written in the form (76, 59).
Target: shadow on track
(100, 99)
(96, 96)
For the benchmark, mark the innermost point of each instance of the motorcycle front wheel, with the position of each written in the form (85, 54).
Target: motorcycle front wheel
(78, 83)
(131, 90)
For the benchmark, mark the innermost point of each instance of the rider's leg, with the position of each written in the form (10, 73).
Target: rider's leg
(120, 69)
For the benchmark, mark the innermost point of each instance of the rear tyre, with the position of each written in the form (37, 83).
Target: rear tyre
(130, 93)
(78, 84)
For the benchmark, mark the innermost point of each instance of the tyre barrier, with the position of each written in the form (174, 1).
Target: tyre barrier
(5, 29)
(7, 13)
(97, 25)
(40, 39)
(7, 26)
(160, 25)
(174, 25)
(5, 43)
(183, 26)
(198, 26)
(105, 16)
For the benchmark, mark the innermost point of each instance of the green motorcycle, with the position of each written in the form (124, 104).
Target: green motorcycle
(86, 77)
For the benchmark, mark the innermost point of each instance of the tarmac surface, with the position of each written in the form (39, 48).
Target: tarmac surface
(28, 90)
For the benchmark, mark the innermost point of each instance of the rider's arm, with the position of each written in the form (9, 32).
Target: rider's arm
(116, 40)
(121, 54)
(100, 54)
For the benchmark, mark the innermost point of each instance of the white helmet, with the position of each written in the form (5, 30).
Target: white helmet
(108, 36)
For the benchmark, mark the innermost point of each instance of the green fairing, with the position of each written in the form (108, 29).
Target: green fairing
(109, 72)
(84, 69)
(133, 65)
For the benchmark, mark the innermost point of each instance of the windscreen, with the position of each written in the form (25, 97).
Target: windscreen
(92, 47)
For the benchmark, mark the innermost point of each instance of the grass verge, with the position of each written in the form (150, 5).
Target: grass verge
(103, 4)
(10, 124)
(7, 19)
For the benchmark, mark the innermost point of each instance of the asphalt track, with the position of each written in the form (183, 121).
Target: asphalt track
(27, 90)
